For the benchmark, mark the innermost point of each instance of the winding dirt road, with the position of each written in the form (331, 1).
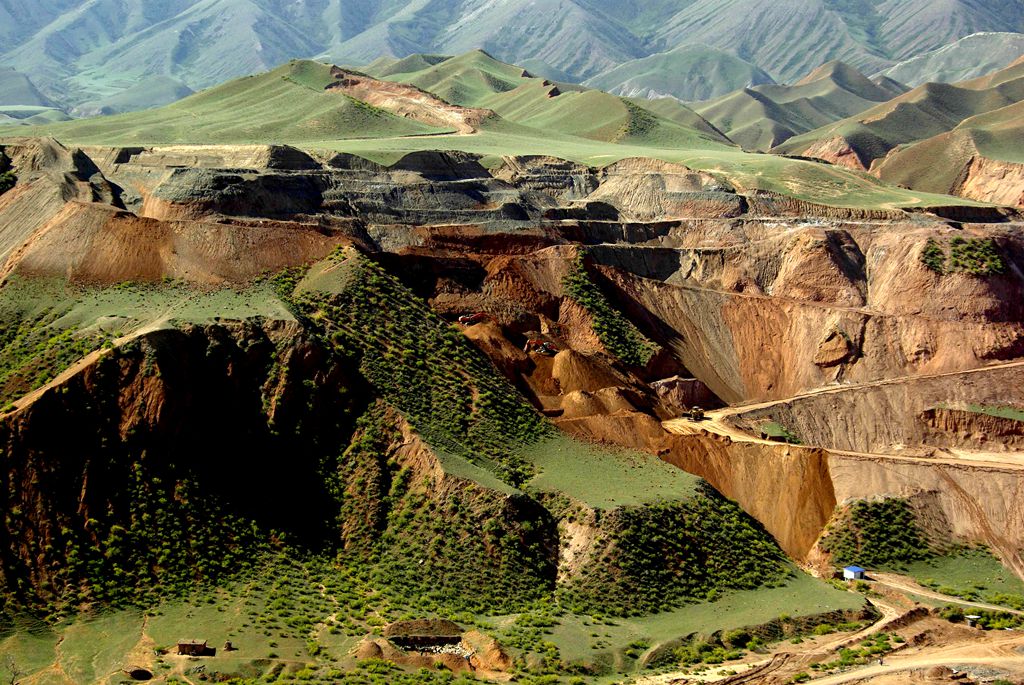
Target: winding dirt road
(718, 423)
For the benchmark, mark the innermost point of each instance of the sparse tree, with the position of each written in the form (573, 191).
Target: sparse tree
(13, 672)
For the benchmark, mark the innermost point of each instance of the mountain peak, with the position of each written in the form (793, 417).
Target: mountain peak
(838, 71)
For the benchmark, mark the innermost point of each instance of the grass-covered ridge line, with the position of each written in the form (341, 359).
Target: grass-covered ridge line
(617, 333)
(880, 534)
(286, 105)
(48, 325)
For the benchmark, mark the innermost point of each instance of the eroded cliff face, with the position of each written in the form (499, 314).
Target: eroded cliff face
(893, 416)
(790, 491)
(993, 180)
(952, 427)
(746, 296)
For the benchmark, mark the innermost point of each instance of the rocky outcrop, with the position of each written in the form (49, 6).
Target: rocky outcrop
(408, 101)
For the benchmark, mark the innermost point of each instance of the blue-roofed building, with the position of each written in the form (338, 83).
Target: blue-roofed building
(853, 573)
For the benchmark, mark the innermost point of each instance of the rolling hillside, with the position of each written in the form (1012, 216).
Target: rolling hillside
(499, 110)
(80, 53)
(982, 158)
(286, 105)
(926, 111)
(761, 117)
(476, 79)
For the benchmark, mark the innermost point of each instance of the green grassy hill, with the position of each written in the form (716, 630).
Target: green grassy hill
(535, 117)
(922, 113)
(476, 79)
(286, 105)
(937, 164)
(762, 117)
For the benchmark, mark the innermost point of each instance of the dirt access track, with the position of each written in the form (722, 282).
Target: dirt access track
(971, 495)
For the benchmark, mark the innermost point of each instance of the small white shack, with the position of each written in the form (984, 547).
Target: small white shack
(853, 573)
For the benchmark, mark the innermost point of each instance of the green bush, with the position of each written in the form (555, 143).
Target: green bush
(976, 256)
(934, 257)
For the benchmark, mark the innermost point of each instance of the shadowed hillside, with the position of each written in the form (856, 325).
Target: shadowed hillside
(764, 116)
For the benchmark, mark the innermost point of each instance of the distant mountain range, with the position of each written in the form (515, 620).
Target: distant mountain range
(96, 56)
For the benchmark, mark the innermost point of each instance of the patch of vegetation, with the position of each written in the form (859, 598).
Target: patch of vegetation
(617, 333)
(705, 652)
(666, 554)
(7, 177)
(776, 431)
(868, 650)
(428, 370)
(154, 551)
(934, 256)
(877, 534)
(458, 549)
(1003, 412)
(974, 575)
(35, 349)
(974, 256)
(615, 478)
(987, 620)
(639, 123)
